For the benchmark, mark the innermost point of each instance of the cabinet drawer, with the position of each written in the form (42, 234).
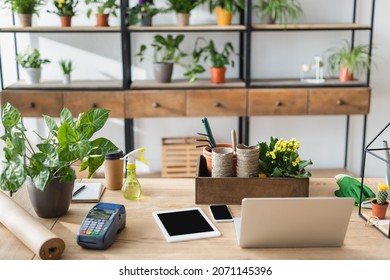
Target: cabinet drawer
(34, 103)
(339, 101)
(155, 103)
(81, 101)
(224, 102)
(277, 102)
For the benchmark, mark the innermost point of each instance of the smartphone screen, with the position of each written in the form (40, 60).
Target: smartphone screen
(221, 213)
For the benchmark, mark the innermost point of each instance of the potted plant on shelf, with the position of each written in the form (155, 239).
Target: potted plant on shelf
(31, 62)
(380, 204)
(104, 8)
(280, 158)
(278, 10)
(65, 9)
(166, 53)
(183, 10)
(46, 168)
(206, 50)
(142, 12)
(349, 61)
(25, 9)
(225, 9)
(67, 68)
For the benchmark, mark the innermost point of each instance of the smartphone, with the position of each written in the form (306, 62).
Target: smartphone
(221, 213)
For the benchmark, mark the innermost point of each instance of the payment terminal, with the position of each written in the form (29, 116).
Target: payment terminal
(100, 226)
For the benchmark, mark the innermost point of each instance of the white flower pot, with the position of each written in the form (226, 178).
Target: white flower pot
(32, 75)
(66, 79)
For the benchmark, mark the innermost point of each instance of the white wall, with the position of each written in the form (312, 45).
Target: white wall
(98, 56)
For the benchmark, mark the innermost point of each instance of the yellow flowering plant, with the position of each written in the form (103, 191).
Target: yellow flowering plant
(280, 158)
(65, 7)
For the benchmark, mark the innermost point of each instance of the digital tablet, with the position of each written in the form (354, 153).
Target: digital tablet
(185, 224)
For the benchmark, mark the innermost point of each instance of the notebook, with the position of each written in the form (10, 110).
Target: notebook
(87, 192)
(293, 222)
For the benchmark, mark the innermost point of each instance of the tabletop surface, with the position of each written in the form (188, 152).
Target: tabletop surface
(142, 239)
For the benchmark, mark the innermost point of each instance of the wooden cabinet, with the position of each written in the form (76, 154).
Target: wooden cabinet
(339, 101)
(221, 102)
(81, 101)
(277, 102)
(34, 103)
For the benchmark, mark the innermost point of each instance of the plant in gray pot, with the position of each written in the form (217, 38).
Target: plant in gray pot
(31, 62)
(46, 169)
(166, 53)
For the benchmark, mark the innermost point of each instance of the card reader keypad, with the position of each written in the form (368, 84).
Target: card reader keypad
(92, 226)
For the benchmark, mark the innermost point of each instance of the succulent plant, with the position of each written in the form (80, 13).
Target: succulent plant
(381, 196)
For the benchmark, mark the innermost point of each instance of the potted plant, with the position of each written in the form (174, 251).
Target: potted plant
(25, 9)
(349, 61)
(67, 68)
(278, 10)
(142, 12)
(104, 9)
(225, 9)
(166, 53)
(47, 168)
(31, 62)
(380, 204)
(183, 10)
(280, 158)
(206, 50)
(65, 9)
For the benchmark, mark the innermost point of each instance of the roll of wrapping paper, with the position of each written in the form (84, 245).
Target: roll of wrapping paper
(30, 231)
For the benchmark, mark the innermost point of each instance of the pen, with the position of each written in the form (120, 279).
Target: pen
(79, 190)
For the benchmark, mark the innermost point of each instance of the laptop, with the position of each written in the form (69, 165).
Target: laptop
(293, 222)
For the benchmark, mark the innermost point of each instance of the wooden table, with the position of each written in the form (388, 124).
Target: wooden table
(142, 239)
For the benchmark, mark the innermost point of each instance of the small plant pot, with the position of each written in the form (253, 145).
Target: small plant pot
(32, 75)
(379, 210)
(66, 21)
(146, 20)
(66, 79)
(182, 19)
(217, 75)
(102, 20)
(207, 153)
(345, 75)
(223, 17)
(163, 72)
(25, 19)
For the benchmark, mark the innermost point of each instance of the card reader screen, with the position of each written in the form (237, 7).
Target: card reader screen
(100, 214)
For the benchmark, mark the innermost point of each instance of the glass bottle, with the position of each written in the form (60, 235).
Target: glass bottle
(131, 189)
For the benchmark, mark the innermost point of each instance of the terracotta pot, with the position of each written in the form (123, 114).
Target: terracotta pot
(25, 19)
(182, 19)
(102, 20)
(208, 156)
(345, 75)
(53, 201)
(223, 17)
(66, 21)
(379, 210)
(218, 75)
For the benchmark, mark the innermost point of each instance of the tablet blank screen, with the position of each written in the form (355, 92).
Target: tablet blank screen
(184, 222)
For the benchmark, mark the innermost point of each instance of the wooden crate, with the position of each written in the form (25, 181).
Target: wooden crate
(231, 190)
(179, 156)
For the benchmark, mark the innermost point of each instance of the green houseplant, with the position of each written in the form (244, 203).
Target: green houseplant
(225, 9)
(65, 9)
(31, 62)
(142, 12)
(206, 50)
(104, 8)
(183, 9)
(50, 162)
(380, 204)
(349, 61)
(278, 10)
(166, 53)
(67, 68)
(25, 9)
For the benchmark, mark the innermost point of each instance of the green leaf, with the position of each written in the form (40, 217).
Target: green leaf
(51, 124)
(40, 178)
(91, 122)
(80, 149)
(66, 116)
(66, 135)
(102, 146)
(94, 163)
(13, 175)
(10, 116)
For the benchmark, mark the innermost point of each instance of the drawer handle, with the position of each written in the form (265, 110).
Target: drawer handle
(340, 102)
(278, 103)
(32, 104)
(94, 105)
(155, 104)
(218, 104)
